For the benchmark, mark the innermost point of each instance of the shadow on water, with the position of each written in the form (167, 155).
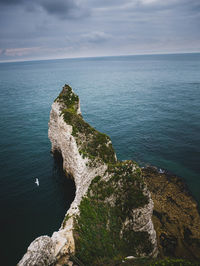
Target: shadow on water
(58, 169)
(65, 181)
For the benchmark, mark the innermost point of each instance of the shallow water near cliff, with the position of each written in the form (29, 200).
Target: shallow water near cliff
(148, 105)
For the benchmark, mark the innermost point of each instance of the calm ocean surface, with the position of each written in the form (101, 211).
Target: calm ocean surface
(148, 105)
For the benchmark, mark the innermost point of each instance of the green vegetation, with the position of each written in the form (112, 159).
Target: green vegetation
(91, 143)
(100, 233)
(94, 145)
(68, 98)
(66, 219)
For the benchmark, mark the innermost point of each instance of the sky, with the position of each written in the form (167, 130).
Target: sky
(49, 29)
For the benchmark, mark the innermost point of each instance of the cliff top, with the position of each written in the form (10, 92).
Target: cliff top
(68, 99)
(92, 144)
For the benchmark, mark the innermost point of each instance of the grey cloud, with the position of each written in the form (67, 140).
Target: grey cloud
(2, 51)
(192, 6)
(10, 2)
(106, 3)
(146, 6)
(95, 37)
(58, 6)
(63, 8)
(61, 27)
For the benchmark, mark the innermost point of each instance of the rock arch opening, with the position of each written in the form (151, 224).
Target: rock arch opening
(65, 180)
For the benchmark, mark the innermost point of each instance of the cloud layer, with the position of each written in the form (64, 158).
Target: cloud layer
(72, 28)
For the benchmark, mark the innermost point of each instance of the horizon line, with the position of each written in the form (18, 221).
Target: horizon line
(90, 57)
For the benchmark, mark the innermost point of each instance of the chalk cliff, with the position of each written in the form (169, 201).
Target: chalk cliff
(111, 215)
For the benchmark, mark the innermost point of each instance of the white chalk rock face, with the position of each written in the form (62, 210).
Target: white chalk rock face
(142, 222)
(60, 135)
(40, 253)
(55, 250)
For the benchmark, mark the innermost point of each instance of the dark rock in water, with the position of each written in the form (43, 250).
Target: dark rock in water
(176, 218)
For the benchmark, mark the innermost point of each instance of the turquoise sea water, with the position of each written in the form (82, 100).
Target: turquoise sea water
(148, 105)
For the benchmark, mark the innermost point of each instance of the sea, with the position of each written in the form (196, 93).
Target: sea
(148, 104)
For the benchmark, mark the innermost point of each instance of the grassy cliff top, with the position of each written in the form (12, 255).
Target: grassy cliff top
(104, 229)
(68, 98)
(91, 143)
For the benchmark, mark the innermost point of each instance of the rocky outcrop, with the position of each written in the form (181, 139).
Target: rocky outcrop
(176, 218)
(102, 183)
(74, 164)
(142, 220)
(40, 252)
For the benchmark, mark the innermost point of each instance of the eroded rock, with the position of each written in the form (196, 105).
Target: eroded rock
(176, 218)
(40, 253)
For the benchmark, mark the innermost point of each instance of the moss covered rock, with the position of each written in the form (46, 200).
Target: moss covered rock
(104, 228)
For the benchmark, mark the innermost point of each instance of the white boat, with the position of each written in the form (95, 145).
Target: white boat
(37, 181)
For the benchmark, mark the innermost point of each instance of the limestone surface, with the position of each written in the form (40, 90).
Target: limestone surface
(40, 252)
(86, 155)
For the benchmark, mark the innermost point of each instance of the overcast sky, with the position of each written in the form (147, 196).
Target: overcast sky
(44, 29)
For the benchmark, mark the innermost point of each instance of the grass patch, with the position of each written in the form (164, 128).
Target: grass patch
(100, 234)
(68, 98)
(92, 143)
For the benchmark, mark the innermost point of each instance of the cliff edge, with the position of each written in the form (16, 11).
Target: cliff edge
(111, 215)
